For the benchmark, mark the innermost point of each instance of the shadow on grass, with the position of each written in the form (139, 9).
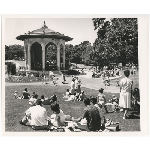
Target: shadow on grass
(64, 83)
(134, 115)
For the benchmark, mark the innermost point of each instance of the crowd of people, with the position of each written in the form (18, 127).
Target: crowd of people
(93, 113)
(75, 93)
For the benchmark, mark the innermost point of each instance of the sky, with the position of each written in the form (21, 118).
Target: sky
(80, 29)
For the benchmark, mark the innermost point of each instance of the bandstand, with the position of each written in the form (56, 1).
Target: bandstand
(44, 49)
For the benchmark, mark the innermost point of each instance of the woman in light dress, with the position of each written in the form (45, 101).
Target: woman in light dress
(125, 93)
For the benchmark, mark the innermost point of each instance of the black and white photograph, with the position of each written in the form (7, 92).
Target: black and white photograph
(74, 75)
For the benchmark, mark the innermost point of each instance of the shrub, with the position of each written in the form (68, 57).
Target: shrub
(11, 68)
(71, 72)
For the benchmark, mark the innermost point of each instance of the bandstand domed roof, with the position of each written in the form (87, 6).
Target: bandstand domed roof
(44, 32)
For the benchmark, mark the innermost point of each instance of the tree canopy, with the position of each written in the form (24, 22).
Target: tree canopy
(117, 41)
(14, 52)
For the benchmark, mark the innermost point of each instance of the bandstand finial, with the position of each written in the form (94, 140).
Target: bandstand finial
(44, 26)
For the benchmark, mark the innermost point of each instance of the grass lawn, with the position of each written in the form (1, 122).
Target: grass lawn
(14, 108)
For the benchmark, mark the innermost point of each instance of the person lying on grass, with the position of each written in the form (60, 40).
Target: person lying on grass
(36, 116)
(91, 114)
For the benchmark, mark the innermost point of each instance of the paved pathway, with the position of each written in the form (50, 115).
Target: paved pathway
(91, 83)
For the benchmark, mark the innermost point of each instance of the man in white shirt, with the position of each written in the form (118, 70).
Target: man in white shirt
(36, 116)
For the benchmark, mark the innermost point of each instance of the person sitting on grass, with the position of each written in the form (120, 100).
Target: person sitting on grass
(33, 94)
(36, 116)
(67, 94)
(114, 103)
(136, 98)
(43, 98)
(81, 96)
(16, 95)
(101, 98)
(93, 101)
(72, 97)
(53, 100)
(91, 114)
(26, 94)
(58, 117)
(117, 81)
(33, 99)
(107, 81)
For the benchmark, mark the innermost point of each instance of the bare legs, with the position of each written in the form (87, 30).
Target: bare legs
(125, 113)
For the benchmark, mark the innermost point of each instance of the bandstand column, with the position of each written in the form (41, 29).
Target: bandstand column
(25, 55)
(29, 56)
(64, 57)
(58, 56)
(43, 56)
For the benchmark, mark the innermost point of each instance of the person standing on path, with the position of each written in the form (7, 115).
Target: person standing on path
(64, 78)
(72, 88)
(125, 93)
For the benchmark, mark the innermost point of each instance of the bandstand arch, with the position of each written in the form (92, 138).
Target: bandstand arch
(50, 56)
(36, 56)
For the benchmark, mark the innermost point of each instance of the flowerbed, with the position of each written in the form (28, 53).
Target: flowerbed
(20, 79)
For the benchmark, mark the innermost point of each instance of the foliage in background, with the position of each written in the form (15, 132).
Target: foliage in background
(14, 52)
(11, 68)
(117, 41)
(79, 54)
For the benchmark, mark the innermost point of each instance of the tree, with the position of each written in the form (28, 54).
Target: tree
(78, 53)
(117, 40)
(14, 52)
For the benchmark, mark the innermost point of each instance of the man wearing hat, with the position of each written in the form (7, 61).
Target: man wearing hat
(36, 116)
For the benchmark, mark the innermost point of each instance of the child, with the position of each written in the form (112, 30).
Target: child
(114, 99)
(58, 118)
(16, 95)
(67, 94)
(113, 103)
(101, 98)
